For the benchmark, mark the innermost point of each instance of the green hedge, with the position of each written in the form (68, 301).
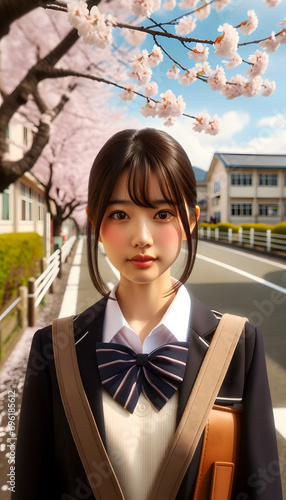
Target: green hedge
(280, 228)
(261, 228)
(20, 255)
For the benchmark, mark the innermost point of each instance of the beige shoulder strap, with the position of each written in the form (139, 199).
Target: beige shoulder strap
(182, 447)
(198, 407)
(79, 415)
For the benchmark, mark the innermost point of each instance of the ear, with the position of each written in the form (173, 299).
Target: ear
(193, 221)
(91, 221)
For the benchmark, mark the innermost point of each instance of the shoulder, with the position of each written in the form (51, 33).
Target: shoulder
(90, 318)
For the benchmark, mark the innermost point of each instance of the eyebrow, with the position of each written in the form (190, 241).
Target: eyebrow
(130, 202)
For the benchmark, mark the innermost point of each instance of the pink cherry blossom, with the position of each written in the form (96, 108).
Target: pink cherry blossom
(234, 87)
(145, 7)
(202, 122)
(283, 23)
(247, 27)
(134, 37)
(151, 89)
(259, 62)
(185, 25)
(170, 121)
(234, 61)
(270, 44)
(188, 4)
(149, 109)
(155, 57)
(252, 87)
(226, 44)
(170, 105)
(217, 81)
(220, 4)
(128, 94)
(281, 37)
(140, 70)
(199, 53)
(268, 87)
(272, 3)
(169, 4)
(76, 11)
(213, 127)
(203, 12)
(203, 69)
(188, 77)
(173, 73)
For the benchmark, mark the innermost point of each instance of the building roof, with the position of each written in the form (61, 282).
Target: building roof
(236, 160)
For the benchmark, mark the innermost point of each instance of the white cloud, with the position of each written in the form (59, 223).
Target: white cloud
(273, 122)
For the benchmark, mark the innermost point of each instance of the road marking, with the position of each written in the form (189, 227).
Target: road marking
(68, 307)
(280, 420)
(243, 273)
(245, 254)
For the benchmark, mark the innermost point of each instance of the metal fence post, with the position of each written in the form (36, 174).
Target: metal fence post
(251, 237)
(229, 235)
(240, 235)
(268, 240)
(31, 302)
(216, 234)
(23, 307)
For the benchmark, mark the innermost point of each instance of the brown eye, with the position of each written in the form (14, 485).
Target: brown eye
(118, 215)
(163, 215)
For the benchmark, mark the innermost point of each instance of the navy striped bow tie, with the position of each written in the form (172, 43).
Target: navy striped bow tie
(124, 373)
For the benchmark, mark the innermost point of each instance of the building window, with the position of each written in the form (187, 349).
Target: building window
(217, 186)
(241, 209)
(40, 207)
(240, 179)
(5, 199)
(268, 210)
(26, 203)
(268, 180)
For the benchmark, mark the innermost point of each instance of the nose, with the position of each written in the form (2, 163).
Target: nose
(142, 235)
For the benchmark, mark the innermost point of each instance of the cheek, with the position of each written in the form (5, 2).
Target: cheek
(170, 236)
(111, 235)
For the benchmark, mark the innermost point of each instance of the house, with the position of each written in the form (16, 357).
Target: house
(22, 206)
(200, 175)
(247, 188)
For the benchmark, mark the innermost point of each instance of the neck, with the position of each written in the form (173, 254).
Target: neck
(144, 305)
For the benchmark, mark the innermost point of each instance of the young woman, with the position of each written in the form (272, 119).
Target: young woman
(141, 207)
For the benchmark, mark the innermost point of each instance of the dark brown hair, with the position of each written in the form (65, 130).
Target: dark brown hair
(141, 152)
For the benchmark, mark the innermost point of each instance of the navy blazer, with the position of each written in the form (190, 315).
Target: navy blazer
(47, 463)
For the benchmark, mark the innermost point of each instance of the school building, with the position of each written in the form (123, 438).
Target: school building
(247, 188)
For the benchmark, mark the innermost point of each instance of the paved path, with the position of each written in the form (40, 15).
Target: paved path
(226, 280)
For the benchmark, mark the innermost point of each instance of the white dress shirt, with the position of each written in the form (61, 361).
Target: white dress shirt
(137, 442)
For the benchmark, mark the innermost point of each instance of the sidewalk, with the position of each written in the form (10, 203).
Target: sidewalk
(13, 371)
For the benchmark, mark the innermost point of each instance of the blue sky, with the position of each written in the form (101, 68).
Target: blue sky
(256, 125)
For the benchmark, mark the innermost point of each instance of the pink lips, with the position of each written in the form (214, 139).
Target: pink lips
(142, 261)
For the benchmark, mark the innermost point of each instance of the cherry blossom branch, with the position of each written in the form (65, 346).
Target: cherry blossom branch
(165, 34)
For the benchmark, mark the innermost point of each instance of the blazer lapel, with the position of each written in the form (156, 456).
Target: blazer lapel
(202, 324)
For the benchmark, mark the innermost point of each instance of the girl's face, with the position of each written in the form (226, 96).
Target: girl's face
(141, 242)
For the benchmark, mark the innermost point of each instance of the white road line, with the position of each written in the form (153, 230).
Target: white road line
(243, 273)
(245, 254)
(280, 420)
(68, 307)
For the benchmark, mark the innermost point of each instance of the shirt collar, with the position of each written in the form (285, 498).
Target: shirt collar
(176, 318)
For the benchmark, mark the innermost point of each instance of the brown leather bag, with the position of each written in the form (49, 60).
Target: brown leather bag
(215, 476)
(219, 454)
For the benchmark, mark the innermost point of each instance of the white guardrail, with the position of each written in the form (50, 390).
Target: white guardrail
(270, 241)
